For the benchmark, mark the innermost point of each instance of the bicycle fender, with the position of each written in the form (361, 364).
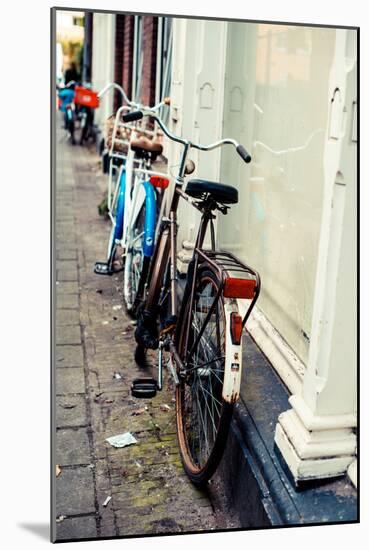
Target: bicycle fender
(119, 218)
(150, 219)
(233, 357)
(66, 97)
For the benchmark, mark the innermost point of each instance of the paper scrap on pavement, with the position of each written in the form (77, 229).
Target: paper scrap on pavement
(121, 440)
(106, 501)
(137, 412)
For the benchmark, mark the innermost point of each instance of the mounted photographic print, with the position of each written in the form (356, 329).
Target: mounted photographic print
(204, 220)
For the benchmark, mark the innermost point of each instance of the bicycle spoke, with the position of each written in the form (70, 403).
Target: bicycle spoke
(136, 262)
(135, 239)
(212, 397)
(202, 421)
(205, 372)
(204, 364)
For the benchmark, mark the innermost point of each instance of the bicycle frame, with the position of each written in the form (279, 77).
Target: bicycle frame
(133, 201)
(129, 193)
(134, 197)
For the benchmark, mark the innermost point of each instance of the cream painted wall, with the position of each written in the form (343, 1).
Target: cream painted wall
(276, 104)
(316, 436)
(343, 353)
(103, 62)
(266, 86)
(289, 95)
(196, 102)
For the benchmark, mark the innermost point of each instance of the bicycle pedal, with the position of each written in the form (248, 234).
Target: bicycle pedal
(144, 387)
(102, 268)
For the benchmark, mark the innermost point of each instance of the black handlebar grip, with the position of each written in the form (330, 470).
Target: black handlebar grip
(134, 115)
(243, 153)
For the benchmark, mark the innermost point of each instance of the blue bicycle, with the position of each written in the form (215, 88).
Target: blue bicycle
(134, 198)
(66, 105)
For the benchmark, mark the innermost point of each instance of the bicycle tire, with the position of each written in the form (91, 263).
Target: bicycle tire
(112, 249)
(115, 234)
(71, 129)
(135, 266)
(201, 454)
(112, 258)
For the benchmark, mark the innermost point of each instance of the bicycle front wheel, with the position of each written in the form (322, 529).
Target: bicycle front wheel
(203, 417)
(112, 257)
(136, 264)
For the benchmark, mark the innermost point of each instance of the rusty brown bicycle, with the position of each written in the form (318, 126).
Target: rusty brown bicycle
(203, 334)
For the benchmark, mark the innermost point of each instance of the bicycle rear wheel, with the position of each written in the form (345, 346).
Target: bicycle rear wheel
(203, 417)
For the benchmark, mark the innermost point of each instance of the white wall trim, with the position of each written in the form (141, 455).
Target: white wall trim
(310, 468)
(315, 422)
(283, 359)
(352, 472)
(317, 437)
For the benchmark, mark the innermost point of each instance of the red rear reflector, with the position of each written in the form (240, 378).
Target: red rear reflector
(239, 288)
(158, 181)
(236, 328)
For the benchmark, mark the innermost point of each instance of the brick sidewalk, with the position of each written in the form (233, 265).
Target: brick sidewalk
(94, 370)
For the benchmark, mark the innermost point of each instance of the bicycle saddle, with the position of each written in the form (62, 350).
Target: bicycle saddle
(200, 189)
(144, 144)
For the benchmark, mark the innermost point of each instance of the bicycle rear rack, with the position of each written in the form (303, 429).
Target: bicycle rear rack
(228, 266)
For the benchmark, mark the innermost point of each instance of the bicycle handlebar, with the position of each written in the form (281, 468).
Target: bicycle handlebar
(165, 101)
(70, 83)
(243, 153)
(137, 115)
(117, 87)
(134, 115)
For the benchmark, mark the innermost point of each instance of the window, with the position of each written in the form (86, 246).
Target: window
(160, 78)
(79, 21)
(164, 63)
(137, 59)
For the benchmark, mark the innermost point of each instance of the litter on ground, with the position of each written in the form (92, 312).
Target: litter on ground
(106, 501)
(121, 440)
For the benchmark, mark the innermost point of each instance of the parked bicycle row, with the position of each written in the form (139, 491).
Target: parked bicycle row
(195, 323)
